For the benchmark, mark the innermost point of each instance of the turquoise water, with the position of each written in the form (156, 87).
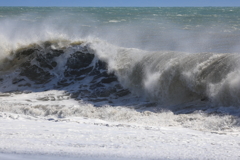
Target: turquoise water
(191, 29)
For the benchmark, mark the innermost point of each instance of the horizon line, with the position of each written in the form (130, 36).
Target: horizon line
(118, 6)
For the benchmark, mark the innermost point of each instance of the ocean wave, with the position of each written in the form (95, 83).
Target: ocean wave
(65, 66)
(99, 71)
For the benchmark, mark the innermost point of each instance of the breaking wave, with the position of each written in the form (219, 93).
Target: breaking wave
(99, 71)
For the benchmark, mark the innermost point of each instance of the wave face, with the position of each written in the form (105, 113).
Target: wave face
(46, 66)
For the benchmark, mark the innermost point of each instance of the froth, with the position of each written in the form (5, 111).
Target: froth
(62, 109)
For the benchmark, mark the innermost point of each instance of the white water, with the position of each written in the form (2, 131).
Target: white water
(82, 138)
(58, 105)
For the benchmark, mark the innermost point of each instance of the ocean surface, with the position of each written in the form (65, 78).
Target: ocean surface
(151, 66)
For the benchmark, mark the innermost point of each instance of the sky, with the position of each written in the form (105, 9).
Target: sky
(120, 3)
